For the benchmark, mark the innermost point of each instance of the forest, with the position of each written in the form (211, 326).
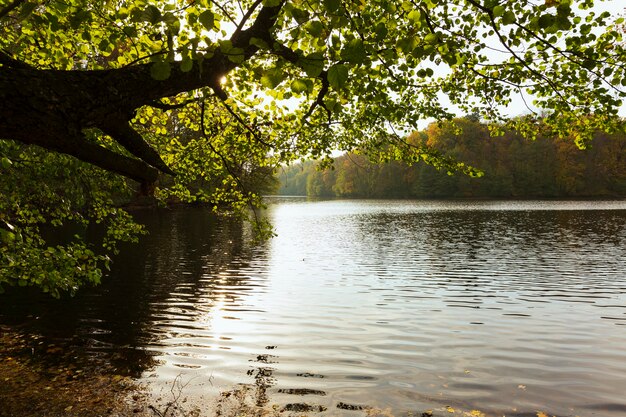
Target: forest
(510, 166)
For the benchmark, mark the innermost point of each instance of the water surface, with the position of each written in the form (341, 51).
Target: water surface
(506, 307)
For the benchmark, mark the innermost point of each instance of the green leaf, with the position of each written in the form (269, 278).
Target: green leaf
(130, 31)
(207, 19)
(5, 162)
(186, 64)
(431, 38)
(6, 236)
(508, 18)
(312, 64)
(160, 70)
(545, 21)
(26, 10)
(170, 20)
(271, 3)
(498, 11)
(260, 43)
(151, 14)
(299, 86)
(337, 75)
(415, 16)
(381, 31)
(235, 55)
(79, 18)
(315, 28)
(354, 51)
(272, 78)
(331, 5)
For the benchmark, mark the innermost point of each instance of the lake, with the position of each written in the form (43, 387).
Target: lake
(505, 307)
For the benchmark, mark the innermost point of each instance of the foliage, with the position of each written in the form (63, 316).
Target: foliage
(199, 100)
(513, 167)
(42, 191)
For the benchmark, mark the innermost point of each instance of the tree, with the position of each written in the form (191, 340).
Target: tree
(512, 166)
(264, 82)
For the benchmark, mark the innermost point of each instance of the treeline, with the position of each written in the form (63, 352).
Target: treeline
(513, 167)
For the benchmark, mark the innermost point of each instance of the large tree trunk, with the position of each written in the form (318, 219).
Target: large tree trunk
(52, 108)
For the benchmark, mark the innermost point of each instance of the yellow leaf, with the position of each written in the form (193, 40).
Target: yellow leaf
(542, 414)
(450, 409)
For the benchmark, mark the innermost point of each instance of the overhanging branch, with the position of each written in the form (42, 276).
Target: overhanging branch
(130, 139)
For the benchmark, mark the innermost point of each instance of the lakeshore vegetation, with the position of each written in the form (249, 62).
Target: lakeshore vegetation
(511, 167)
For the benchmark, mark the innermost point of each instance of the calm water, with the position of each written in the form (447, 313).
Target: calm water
(506, 307)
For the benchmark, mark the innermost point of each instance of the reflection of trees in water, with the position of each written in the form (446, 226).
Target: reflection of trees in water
(513, 249)
(183, 249)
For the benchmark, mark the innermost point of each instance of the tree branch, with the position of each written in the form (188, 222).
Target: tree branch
(10, 7)
(319, 100)
(7, 60)
(221, 94)
(525, 64)
(130, 139)
(166, 106)
(246, 17)
(97, 155)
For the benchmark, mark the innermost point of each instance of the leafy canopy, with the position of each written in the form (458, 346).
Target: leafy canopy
(210, 92)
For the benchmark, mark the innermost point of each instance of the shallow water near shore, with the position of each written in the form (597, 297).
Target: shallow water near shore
(506, 307)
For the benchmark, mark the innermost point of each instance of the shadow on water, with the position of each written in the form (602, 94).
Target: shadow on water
(117, 319)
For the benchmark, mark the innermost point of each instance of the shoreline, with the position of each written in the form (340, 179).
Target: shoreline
(42, 379)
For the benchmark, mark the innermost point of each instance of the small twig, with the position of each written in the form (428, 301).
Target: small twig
(240, 183)
(166, 106)
(221, 94)
(245, 18)
(10, 7)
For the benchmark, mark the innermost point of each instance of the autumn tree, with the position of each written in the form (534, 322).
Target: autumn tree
(261, 82)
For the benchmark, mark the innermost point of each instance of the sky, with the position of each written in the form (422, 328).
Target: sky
(617, 8)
